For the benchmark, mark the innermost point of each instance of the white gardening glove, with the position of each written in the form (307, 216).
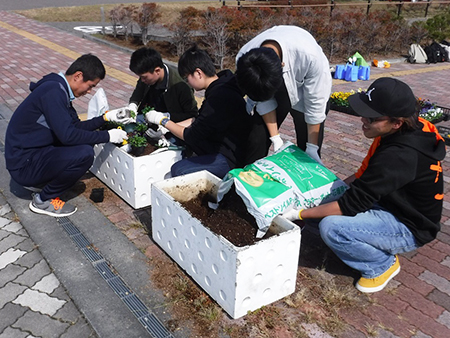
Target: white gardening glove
(156, 117)
(312, 151)
(133, 107)
(117, 135)
(277, 142)
(121, 115)
(292, 215)
(163, 142)
(163, 130)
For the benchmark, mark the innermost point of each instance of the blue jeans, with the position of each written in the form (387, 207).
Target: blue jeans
(216, 164)
(368, 241)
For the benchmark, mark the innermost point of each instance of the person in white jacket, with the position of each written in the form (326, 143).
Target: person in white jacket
(283, 70)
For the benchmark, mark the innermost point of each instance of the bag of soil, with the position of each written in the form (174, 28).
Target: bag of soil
(277, 183)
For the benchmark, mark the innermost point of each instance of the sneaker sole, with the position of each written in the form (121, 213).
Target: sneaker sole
(378, 288)
(53, 214)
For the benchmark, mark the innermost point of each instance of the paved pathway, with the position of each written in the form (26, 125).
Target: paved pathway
(32, 300)
(416, 304)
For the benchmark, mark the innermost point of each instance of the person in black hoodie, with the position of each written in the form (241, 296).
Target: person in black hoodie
(47, 147)
(218, 135)
(394, 201)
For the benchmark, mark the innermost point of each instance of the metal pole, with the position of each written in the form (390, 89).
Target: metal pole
(368, 6)
(400, 8)
(426, 8)
(103, 20)
(331, 8)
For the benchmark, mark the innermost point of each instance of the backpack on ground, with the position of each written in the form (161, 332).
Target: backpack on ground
(447, 50)
(436, 53)
(416, 54)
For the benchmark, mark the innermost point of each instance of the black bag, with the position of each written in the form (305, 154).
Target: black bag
(436, 53)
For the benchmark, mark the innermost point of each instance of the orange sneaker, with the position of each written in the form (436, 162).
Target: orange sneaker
(378, 283)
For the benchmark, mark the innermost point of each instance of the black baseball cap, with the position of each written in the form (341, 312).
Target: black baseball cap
(386, 96)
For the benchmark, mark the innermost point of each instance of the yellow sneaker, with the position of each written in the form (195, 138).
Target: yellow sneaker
(378, 283)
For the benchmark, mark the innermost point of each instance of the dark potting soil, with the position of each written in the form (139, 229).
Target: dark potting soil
(149, 149)
(231, 219)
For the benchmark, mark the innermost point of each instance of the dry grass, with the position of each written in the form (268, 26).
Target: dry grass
(169, 12)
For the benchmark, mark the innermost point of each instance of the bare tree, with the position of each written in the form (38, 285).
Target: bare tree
(417, 32)
(146, 15)
(184, 27)
(114, 16)
(217, 35)
(126, 15)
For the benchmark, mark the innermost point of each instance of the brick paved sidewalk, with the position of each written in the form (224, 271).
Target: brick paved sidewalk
(415, 304)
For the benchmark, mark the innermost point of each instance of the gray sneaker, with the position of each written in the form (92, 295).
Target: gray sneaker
(53, 207)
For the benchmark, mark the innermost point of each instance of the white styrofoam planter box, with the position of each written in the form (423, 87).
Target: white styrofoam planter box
(131, 177)
(239, 279)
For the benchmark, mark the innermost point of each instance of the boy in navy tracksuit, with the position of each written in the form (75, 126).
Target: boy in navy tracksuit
(46, 143)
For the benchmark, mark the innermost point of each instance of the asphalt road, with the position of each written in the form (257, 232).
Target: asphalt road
(7, 5)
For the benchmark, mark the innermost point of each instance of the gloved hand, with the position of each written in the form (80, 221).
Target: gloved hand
(133, 107)
(312, 150)
(156, 117)
(163, 142)
(121, 115)
(277, 142)
(117, 135)
(156, 134)
(293, 215)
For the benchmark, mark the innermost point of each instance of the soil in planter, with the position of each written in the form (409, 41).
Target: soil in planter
(149, 149)
(231, 219)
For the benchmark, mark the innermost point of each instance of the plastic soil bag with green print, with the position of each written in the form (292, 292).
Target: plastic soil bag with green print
(275, 184)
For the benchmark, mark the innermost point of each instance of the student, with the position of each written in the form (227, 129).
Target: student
(160, 87)
(47, 145)
(394, 202)
(283, 70)
(218, 135)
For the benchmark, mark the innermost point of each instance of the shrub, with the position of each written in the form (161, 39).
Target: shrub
(438, 27)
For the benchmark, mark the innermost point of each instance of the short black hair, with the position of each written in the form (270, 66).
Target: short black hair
(195, 58)
(91, 67)
(259, 73)
(145, 60)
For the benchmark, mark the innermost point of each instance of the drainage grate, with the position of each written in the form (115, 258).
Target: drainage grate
(147, 319)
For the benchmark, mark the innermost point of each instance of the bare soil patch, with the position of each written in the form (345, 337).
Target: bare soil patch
(230, 220)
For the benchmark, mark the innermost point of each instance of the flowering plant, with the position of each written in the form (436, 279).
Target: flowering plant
(429, 111)
(341, 98)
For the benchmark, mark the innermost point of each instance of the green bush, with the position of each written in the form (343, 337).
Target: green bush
(438, 27)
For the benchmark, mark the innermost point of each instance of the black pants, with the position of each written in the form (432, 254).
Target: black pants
(259, 139)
